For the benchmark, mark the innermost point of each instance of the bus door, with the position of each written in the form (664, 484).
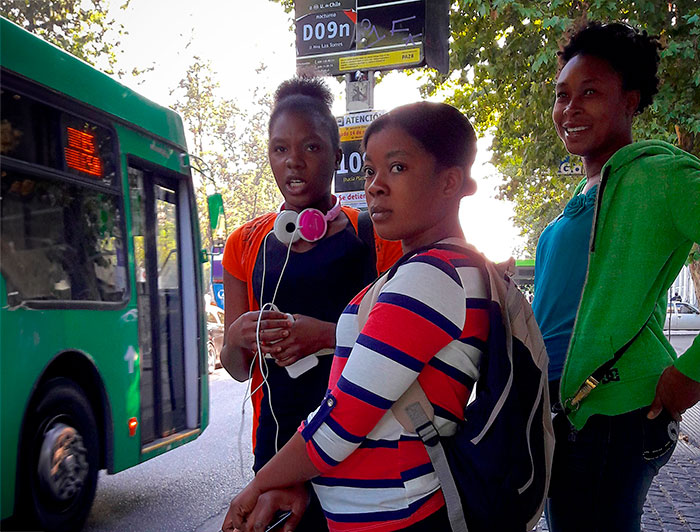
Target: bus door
(161, 229)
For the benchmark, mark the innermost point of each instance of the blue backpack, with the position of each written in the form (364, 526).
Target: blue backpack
(494, 471)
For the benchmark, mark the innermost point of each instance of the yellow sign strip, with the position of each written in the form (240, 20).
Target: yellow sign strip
(408, 56)
(352, 133)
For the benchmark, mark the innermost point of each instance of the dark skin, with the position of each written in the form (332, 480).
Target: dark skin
(593, 116)
(674, 392)
(400, 175)
(294, 498)
(303, 161)
(592, 112)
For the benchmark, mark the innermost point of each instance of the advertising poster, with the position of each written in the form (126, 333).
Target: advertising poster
(352, 126)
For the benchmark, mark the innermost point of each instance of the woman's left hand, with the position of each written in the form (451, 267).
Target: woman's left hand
(307, 335)
(241, 507)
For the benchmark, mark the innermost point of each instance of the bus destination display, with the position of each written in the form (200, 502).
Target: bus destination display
(32, 128)
(81, 153)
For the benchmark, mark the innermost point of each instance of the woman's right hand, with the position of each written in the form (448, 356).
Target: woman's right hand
(251, 510)
(242, 333)
(240, 323)
(294, 499)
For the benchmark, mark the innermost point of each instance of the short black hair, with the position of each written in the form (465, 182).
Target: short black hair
(631, 53)
(441, 129)
(307, 95)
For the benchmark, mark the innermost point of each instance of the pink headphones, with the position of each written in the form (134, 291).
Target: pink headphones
(309, 224)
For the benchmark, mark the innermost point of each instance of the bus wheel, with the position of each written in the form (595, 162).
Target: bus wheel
(211, 356)
(62, 457)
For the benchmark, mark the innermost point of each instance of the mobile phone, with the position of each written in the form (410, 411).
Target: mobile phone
(279, 518)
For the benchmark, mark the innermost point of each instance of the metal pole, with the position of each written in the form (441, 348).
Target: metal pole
(359, 91)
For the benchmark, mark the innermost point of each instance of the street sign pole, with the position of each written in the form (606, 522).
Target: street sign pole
(359, 102)
(359, 91)
(355, 38)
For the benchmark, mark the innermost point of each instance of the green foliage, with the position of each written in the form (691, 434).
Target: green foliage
(256, 191)
(288, 5)
(694, 255)
(230, 145)
(81, 27)
(503, 64)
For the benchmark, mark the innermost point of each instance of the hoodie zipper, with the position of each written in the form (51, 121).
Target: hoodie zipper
(601, 187)
(598, 203)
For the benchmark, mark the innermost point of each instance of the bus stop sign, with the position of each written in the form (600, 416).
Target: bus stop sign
(328, 31)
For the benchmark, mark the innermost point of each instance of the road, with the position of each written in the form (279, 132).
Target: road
(681, 341)
(186, 489)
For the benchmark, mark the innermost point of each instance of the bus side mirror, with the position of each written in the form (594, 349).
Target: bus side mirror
(203, 256)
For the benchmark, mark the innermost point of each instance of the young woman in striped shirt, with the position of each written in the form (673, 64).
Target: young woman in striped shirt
(369, 472)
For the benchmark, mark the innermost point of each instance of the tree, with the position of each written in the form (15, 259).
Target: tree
(694, 266)
(503, 60)
(230, 147)
(256, 190)
(198, 104)
(80, 27)
(503, 64)
(288, 5)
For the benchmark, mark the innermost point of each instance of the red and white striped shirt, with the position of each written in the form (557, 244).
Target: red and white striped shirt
(375, 475)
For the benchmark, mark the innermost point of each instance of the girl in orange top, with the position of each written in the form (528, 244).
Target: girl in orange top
(317, 277)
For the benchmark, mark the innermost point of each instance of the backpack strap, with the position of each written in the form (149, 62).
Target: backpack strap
(369, 299)
(415, 413)
(365, 230)
(431, 439)
(591, 383)
(414, 395)
(498, 291)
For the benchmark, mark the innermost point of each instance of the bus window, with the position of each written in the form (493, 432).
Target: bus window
(81, 148)
(61, 239)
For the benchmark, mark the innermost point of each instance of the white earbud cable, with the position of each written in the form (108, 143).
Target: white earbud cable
(262, 363)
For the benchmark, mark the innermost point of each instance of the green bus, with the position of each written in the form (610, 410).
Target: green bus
(103, 360)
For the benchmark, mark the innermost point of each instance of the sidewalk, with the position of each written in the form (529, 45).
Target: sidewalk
(673, 502)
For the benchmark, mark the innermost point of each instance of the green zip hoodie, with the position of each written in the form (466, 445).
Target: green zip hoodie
(647, 218)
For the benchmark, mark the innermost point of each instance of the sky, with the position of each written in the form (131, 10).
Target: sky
(237, 36)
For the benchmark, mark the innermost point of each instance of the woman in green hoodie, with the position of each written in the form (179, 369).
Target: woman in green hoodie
(602, 273)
